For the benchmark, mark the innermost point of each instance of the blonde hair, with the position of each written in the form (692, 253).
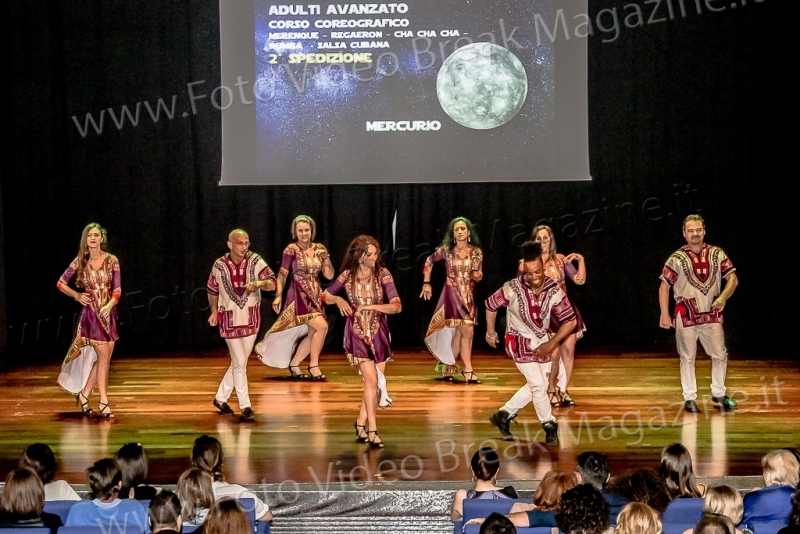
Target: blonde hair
(638, 518)
(724, 500)
(781, 467)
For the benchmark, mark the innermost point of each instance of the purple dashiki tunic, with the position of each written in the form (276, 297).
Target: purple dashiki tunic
(366, 333)
(456, 305)
(303, 303)
(92, 329)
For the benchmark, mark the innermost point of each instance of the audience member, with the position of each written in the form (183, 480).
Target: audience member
(23, 500)
(207, 456)
(165, 514)
(593, 469)
(774, 502)
(196, 494)
(583, 510)
(638, 518)
(677, 472)
(723, 500)
(485, 465)
(497, 524)
(132, 461)
(226, 517)
(794, 517)
(41, 459)
(714, 524)
(105, 508)
(642, 485)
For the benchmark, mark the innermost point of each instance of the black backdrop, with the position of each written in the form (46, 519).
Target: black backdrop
(684, 116)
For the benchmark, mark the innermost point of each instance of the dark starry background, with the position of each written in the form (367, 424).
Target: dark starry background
(314, 124)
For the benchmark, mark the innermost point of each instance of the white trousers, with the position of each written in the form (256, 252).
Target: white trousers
(535, 391)
(713, 340)
(236, 376)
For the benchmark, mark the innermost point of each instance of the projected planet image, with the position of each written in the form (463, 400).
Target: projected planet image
(482, 86)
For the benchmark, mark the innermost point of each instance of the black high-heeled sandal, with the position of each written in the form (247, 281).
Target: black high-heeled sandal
(361, 432)
(472, 378)
(296, 376)
(317, 378)
(103, 413)
(372, 443)
(84, 404)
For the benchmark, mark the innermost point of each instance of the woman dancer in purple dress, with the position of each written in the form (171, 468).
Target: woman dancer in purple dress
(559, 267)
(452, 325)
(89, 355)
(303, 313)
(371, 295)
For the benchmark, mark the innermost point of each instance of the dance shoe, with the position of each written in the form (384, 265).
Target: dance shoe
(248, 414)
(551, 433)
(691, 407)
(726, 404)
(502, 419)
(223, 407)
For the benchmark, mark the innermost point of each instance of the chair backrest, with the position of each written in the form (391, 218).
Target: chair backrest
(684, 511)
(115, 529)
(249, 506)
(766, 527)
(475, 529)
(59, 508)
(473, 508)
(23, 530)
(677, 528)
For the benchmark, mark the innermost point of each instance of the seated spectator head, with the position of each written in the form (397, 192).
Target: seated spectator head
(497, 524)
(677, 472)
(794, 515)
(195, 492)
(207, 456)
(582, 510)
(132, 461)
(638, 518)
(485, 464)
(549, 492)
(592, 469)
(781, 468)
(724, 500)
(165, 512)
(41, 459)
(715, 524)
(642, 485)
(227, 517)
(23, 495)
(105, 479)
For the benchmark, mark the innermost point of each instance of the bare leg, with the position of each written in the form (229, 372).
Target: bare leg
(455, 344)
(464, 334)
(567, 354)
(91, 382)
(103, 363)
(369, 403)
(302, 352)
(317, 330)
(553, 376)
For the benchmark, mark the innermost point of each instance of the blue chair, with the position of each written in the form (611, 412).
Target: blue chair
(59, 508)
(767, 527)
(473, 508)
(188, 528)
(116, 529)
(249, 506)
(475, 529)
(21, 530)
(676, 528)
(684, 511)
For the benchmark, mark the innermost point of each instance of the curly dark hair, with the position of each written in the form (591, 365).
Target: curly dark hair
(642, 485)
(356, 250)
(448, 242)
(582, 510)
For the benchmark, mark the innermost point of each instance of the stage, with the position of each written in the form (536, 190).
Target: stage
(629, 407)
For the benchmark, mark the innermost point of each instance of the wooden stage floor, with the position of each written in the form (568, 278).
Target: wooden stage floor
(629, 407)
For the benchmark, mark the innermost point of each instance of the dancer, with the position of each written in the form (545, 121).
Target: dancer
(303, 312)
(558, 268)
(695, 273)
(89, 356)
(371, 295)
(532, 299)
(234, 297)
(452, 325)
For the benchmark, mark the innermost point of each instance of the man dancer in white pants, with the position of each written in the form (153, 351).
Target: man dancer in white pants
(695, 273)
(530, 299)
(234, 296)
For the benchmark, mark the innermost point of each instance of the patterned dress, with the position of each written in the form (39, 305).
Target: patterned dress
(558, 270)
(456, 305)
(303, 303)
(366, 333)
(92, 330)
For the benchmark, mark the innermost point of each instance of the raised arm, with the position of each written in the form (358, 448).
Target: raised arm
(578, 276)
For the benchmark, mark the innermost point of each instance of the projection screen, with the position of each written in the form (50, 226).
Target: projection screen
(413, 92)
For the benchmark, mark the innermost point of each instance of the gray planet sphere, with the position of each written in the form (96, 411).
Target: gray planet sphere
(482, 86)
